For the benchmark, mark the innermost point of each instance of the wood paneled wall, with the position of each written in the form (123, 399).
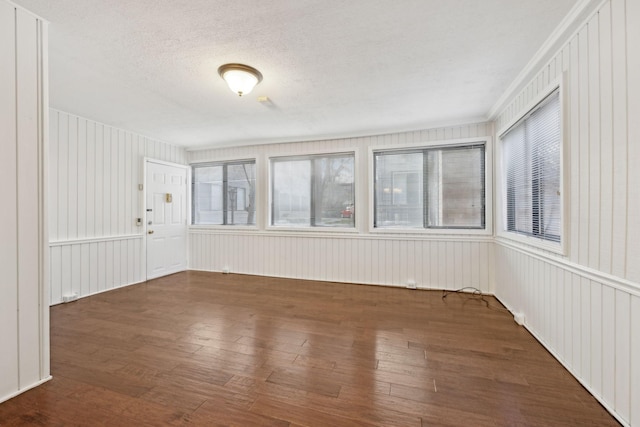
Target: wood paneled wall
(94, 175)
(585, 307)
(588, 321)
(24, 313)
(443, 261)
(431, 263)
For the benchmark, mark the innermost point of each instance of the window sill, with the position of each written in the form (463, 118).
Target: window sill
(329, 230)
(224, 227)
(350, 233)
(432, 231)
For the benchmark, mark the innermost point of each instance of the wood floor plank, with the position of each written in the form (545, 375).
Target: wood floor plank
(306, 379)
(209, 349)
(218, 412)
(301, 415)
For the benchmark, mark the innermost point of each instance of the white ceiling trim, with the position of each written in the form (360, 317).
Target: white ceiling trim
(348, 135)
(577, 17)
(22, 8)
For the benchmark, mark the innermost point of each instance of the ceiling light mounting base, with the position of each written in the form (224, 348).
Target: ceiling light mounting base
(241, 78)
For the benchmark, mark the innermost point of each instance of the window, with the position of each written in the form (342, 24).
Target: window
(224, 193)
(440, 187)
(313, 191)
(531, 161)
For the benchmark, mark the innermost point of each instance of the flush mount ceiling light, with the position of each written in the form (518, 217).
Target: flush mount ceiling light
(240, 78)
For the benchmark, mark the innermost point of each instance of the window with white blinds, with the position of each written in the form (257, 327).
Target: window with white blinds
(531, 164)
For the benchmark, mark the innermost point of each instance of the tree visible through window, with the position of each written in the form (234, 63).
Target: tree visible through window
(313, 191)
(224, 193)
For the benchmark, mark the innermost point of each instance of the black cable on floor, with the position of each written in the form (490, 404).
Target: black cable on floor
(473, 295)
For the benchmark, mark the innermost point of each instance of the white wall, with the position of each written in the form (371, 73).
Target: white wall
(24, 313)
(442, 261)
(585, 306)
(94, 174)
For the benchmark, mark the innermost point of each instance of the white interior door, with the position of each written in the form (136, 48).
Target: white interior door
(166, 218)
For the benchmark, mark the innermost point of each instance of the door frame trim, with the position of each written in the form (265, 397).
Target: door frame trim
(146, 161)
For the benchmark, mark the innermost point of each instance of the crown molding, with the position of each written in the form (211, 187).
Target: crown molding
(581, 12)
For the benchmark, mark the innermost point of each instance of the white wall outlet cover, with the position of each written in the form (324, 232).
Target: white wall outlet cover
(411, 284)
(70, 297)
(519, 318)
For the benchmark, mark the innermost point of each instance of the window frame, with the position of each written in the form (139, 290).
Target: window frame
(307, 155)
(435, 144)
(560, 247)
(224, 163)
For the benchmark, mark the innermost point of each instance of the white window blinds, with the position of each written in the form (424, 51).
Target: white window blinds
(531, 159)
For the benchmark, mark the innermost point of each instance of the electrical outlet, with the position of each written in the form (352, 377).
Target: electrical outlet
(519, 318)
(70, 297)
(411, 284)
(225, 270)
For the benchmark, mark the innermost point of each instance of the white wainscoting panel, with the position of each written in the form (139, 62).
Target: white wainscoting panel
(92, 266)
(434, 263)
(588, 322)
(24, 313)
(94, 175)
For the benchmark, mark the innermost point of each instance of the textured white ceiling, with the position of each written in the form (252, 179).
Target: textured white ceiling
(331, 68)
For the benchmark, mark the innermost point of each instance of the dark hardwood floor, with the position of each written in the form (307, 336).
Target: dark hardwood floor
(210, 349)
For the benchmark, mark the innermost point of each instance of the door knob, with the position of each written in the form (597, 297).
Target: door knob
(150, 231)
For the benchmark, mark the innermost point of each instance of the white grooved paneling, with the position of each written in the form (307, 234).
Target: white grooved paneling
(596, 339)
(633, 215)
(584, 306)
(619, 139)
(595, 328)
(606, 135)
(96, 170)
(94, 176)
(634, 396)
(341, 258)
(608, 346)
(53, 175)
(633, 129)
(8, 217)
(593, 121)
(623, 354)
(24, 314)
(72, 178)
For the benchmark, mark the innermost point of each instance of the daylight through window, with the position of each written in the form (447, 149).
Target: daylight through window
(224, 193)
(531, 159)
(313, 191)
(440, 187)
